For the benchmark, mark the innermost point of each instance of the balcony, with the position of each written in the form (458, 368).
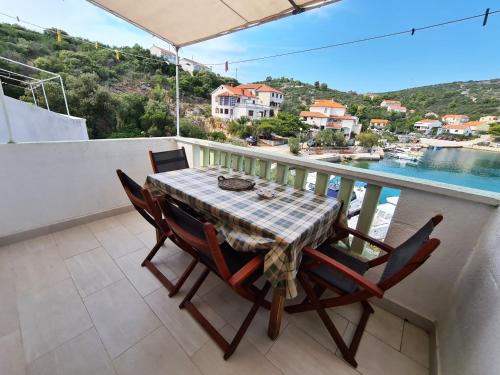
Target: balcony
(75, 299)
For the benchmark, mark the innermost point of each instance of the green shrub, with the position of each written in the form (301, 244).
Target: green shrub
(217, 136)
(294, 145)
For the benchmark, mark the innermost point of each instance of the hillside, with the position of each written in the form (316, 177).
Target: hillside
(120, 96)
(473, 98)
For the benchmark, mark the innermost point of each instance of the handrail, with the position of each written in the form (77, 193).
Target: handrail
(375, 178)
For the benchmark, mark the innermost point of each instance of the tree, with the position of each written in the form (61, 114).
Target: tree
(367, 139)
(316, 84)
(324, 86)
(191, 130)
(217, 136)
(494, 130)
(329, 137)
(294, 145)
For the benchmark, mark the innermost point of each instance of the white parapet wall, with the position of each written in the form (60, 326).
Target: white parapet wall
(43, 184)
(29, 123)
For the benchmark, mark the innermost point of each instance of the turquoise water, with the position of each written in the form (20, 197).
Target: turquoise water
(462, 167)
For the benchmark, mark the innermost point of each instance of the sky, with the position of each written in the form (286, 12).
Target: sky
(459, 52)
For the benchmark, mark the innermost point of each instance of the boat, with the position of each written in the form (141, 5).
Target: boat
(381, 220)
(403, 154)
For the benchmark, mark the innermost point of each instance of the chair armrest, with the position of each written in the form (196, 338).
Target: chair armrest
(246, 271)
(346, 271)
(367, 238)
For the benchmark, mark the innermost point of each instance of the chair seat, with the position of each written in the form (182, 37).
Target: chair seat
(336, 278)
(235, 260)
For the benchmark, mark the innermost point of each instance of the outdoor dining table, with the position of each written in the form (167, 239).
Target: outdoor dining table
(278, 227)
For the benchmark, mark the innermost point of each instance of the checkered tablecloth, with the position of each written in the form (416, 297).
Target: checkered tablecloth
(280, 226)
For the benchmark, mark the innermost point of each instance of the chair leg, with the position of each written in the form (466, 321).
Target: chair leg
(154, 250)
(183, 278)
(246, 323)
(173, 289)
(336, 336)
(194, 288)
(356, 339)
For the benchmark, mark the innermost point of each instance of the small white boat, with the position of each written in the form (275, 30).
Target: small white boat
(404, 154)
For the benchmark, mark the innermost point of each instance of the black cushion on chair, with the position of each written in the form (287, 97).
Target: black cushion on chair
(235, 260)
(172, 160)
(334, 277)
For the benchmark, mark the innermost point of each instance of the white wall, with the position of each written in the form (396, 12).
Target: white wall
(47, 183)
(30, 123)
(469, 332)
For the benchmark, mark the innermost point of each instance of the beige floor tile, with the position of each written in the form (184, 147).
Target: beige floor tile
(246, 360)
(121, 316)
(103, 224)
(415, 344)
(83, 355)
(39, 270)
(133, 221)
(148, 237)
(156, 354)
(50, 317)
(386, 327)
(311, 323)
(11, 354)
(233, 309)
(142, 279)
(297, 353)
(118, 241)
(75, 240)
(182, 326)
(376, 358)
(41, 242)
(93, 270)
(9, 320)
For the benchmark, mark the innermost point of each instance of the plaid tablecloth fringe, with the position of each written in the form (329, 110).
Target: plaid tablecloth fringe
(280, 226)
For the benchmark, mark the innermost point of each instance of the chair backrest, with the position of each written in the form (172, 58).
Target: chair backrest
(408, 256)
(167, 161)
(134, 194)
(200, 236)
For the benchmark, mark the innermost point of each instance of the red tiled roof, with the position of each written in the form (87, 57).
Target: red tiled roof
(391, 101)
(463, 126)
(342, 117)
(377, 120)
(474, 123)
(312, 114)
(259, 87)
(237, 91)
(427, 121)
(165, 51)
(334, 126)
(327, 103)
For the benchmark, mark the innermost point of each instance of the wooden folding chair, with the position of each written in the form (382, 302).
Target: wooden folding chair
(166, 161)
(328, 268)
(238, 269)
(148, 208)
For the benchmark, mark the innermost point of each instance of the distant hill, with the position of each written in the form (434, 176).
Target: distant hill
(472, 98)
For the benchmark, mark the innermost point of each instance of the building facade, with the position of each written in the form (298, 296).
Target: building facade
(390, 103)
(455, 119)
(163, 53)
(461, 129)
(426, 126)
(192, 66)
(328, 114)
(378, 123)
(489, 119)
(252, 101)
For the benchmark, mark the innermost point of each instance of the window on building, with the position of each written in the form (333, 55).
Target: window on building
(216, 110)
(253, 101)
(250, 113)
(226, 111)
(272, 94)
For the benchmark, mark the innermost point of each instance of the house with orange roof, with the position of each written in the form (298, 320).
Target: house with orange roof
(478, 126)
(188, 65)
(329, 114)
(455, 119)
(254, 101)
(461, 129)
(390, 103)
(163, 53)
(378, 123)
(426, 126)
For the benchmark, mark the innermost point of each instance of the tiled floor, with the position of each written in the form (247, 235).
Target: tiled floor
(78, 302)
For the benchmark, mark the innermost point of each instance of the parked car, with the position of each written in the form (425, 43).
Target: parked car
(251, 140)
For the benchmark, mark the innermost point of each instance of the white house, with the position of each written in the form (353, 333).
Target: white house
(192, 66)
(426, 126)
(455, 119)
(431, 115)
(461, 129)
(163, 53)
(397, 108)
(254, 102)
(478, 126)
(328, 114)
(390, 103)
(489, 119)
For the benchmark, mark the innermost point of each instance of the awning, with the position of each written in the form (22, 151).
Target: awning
(184, 22)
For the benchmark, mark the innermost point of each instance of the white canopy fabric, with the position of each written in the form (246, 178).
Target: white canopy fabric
(184, 22)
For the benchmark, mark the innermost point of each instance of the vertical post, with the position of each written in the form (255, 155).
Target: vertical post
(366, 215)
(64, 95)
(3, 109)
(345, 193)
(300, 179)
(177, 95)
(45, 96)
(321, 184)
(33, 93)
